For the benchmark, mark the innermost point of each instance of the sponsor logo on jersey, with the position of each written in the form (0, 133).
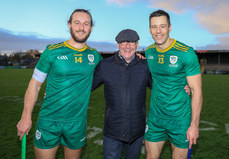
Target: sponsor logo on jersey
(38, 134)
(62, 57)
(78, 54)
(91, 59)
(150, 57)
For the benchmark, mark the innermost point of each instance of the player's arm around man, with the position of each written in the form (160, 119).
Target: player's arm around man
(195, 83)
(25, 124)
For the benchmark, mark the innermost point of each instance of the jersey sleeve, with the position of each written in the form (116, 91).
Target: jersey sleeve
(98, 77)
(44, 62)
(99, 57)
(192, 66)
(39, 76)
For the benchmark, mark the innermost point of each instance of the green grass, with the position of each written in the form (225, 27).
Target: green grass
(211, 144)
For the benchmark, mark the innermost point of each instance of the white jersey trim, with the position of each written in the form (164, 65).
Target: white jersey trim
(39, 76)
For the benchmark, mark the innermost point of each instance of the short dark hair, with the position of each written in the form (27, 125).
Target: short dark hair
(84, 11)
(159, 13)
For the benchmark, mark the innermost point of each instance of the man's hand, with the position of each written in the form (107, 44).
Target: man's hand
(44, 94)
(187, 89)
(192, 135)
(23, 126)
(140, 56)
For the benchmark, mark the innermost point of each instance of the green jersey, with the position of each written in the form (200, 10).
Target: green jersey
(169, 69)
(69, 80)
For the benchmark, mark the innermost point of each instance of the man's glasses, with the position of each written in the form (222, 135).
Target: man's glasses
(130, 43)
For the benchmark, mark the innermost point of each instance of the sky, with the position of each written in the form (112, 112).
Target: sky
(34, 24)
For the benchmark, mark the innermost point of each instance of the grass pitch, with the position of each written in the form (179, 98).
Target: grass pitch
(213, 142)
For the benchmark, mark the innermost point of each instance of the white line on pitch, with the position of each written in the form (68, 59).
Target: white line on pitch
(209, 123)
(227, 128)
(207, 129)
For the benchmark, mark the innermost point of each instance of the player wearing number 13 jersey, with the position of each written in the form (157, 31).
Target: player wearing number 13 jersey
(173, 114)
(170, 105)
(169, 69)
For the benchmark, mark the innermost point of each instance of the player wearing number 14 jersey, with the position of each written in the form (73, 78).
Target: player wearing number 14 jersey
(69, 80)
(68, 68)
(70, 74)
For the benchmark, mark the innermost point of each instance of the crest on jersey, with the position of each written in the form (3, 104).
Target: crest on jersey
(173, 59)
(90, 57)
(38, 134)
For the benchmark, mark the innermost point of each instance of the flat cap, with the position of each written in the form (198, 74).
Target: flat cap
(127, 35)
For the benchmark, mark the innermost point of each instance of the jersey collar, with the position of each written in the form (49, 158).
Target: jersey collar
(168, 48)
(73, 48)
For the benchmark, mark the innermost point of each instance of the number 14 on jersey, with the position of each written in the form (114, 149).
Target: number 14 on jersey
(78, 59)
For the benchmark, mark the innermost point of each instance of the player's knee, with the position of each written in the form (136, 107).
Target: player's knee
(152, 154)
(179, 153)
(45, 153)
(72, 154)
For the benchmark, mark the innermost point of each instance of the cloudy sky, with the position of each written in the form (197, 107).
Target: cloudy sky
(33, 24)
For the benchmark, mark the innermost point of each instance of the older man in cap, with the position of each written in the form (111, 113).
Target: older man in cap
(125, 77)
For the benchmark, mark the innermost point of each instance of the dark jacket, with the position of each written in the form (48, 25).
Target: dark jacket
(125, 94)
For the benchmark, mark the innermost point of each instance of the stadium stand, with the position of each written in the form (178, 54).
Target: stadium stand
(214, 61)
